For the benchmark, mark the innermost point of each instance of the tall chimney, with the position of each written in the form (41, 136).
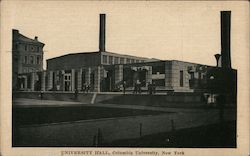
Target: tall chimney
(225, 39)
(102, 32)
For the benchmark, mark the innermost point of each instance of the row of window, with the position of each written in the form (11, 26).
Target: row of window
(31, 48)
(118, 60)
(28, 70)
(32, 59)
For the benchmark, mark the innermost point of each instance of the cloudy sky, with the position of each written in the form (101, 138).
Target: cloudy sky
(165, 30)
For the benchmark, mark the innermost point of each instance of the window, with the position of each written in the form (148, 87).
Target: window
(122, 60)
(158, 69)
(16, 46)
(67, 77)
(32, 48)
(25, 59)
(38, 60)
(128, 60)
(104, 59)
(137, 61)
(181, 78)
(25, 47)
(110, 59)
(31, 59)
(116, 60)
(132, 60)
(35, 48)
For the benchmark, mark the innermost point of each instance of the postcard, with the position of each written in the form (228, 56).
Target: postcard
(124, 78)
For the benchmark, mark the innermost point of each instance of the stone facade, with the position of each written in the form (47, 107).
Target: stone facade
(27, 56)
(165, 75)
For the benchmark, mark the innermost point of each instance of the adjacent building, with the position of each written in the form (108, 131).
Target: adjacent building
(27, 57)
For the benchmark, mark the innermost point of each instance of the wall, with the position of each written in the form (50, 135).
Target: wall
(176, 67)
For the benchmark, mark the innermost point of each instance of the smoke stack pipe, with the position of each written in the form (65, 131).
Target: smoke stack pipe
(102, 32)
(217, 57)
(225, 39)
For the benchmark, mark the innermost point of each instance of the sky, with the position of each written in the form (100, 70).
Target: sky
(154, 29)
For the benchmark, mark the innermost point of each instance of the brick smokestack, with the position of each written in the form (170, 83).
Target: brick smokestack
(102, 32)
(225, 39)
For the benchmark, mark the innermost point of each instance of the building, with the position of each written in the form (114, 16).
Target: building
(106, 71)
(27, 57)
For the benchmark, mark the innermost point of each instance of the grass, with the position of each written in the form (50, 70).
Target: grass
(209, 136)
(43, 115)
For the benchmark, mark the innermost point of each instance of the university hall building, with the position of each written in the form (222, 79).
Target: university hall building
(106, 71)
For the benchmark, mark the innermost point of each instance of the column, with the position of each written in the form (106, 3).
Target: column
(149, 75)
(50, 80)
(87, 75)
(72, 79)
(118, 73)
(43, 81)
(62, 87)
(97, 79)
(168, 74)
(79, 79)
(32, 81)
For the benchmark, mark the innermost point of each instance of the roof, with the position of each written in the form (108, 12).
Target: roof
(94, 52)
(23, 38)
(70, 54)
(26, 39)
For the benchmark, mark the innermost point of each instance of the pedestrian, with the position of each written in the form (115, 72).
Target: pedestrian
(84, 87)
(154, 87)
(139, 87)
(150, 88)
(76, 94)
(41, 95)
(88, 88)
(124, 86)
(135, 88)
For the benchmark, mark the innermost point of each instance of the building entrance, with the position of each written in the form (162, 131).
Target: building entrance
(67, 82)
(108, 82)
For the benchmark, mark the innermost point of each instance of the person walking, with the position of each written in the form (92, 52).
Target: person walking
(153, 88)
(84, 87)
(41, 95)
(150, 88)
(139, 87)
(76, 94)
(124, 87)
(88, 88)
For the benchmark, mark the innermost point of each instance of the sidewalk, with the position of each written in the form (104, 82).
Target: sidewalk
(22, 102)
